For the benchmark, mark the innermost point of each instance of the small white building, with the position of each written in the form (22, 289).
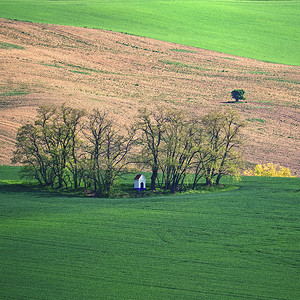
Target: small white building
(140, 182)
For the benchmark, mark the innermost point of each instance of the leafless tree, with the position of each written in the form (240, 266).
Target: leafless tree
(109, 151)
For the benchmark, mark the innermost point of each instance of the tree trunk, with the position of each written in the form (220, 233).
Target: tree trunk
(75, 179)
(60, 182)
(209, 181)
(153, 178)
(196, 180)
(194, 184)
(218, 179)
(173, 188)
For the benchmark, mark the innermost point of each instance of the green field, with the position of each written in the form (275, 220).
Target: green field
(264, 30)
(241, 244)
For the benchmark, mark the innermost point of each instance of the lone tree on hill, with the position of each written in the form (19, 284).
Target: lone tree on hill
(238, 94)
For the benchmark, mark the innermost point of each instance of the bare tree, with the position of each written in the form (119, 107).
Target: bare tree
(168, 146)
(181, 140)
(220, 152)
(32, 154)
(94, 133)
(152, 126)
(72, 119)
(50, 145)
(109, 151)
(60, 132)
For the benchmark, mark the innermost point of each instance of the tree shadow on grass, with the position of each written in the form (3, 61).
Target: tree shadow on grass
(15, 187)
(233, 102)
(28, 188)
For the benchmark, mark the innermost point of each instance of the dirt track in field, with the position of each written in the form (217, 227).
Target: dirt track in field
(121, 73)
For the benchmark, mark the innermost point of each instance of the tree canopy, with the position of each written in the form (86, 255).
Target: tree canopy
(238, 94)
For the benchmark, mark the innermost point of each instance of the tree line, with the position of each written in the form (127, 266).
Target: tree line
(67, 147)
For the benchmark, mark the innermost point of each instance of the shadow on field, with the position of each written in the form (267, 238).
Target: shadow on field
(28, 188)
(15, 188)
(233, 102)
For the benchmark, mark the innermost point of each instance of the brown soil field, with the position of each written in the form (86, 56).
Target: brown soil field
(91, 68)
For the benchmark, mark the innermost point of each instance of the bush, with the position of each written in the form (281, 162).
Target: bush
(269, 170)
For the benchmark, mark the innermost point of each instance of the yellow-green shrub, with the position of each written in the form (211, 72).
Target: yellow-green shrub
(269, 170)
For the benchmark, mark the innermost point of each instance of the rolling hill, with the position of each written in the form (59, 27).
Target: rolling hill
(51, 64)
(264, 30)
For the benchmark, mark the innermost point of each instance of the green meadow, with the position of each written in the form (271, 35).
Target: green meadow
(238, 244)
(264, 30)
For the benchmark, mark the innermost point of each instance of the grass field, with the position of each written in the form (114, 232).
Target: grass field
(264, 30)
(241, 244)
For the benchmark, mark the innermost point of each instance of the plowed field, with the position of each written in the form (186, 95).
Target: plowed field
(91, 68)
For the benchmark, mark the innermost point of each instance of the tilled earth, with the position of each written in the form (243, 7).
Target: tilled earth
(121, 73)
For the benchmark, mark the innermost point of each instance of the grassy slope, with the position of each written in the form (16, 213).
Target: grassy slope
(239, 244)
(264, 30)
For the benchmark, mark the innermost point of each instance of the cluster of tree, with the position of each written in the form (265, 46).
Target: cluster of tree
(269, 170)
(65, 147)
(68, 147)
(176, 145)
